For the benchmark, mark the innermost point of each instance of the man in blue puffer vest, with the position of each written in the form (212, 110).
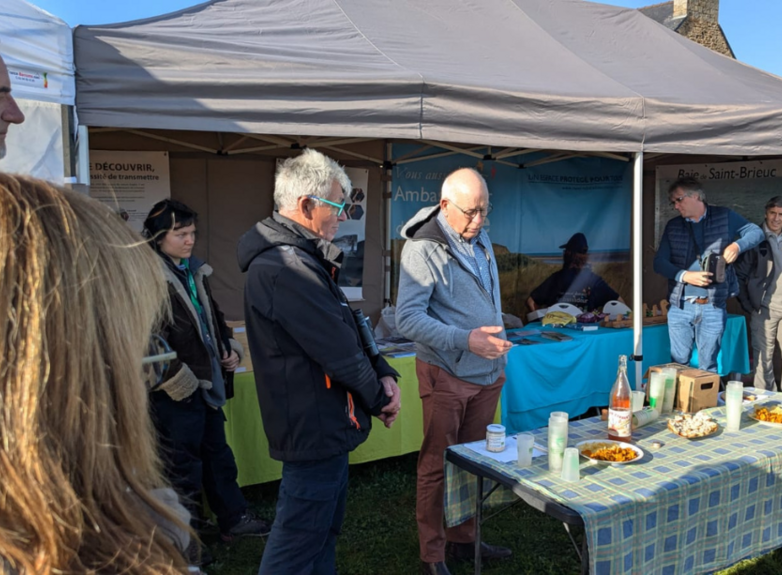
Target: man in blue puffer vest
(697, 309)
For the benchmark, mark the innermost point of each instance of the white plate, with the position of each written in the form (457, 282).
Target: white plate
(770, 405)
(760, 395)
(593, 444)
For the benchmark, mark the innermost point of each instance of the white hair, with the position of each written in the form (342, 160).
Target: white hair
(455, 184)
(309, 174)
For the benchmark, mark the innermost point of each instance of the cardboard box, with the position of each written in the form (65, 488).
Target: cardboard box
(240, 335)
(696, 390)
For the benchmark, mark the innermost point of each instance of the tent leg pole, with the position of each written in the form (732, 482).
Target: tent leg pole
(83, 155)
(388, 231)
(638, 300)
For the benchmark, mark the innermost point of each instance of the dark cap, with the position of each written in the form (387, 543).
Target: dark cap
(577, 243)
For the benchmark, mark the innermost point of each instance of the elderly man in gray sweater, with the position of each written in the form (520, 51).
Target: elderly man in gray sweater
(449, 304)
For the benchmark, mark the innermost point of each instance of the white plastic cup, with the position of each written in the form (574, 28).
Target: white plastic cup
(557, 440)
(570, 471)
(670, 389)
(638, 400)
(657, 390)
(734, 397)
(525, 443)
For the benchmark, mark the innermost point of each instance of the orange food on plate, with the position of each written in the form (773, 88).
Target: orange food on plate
(612, 453)
(772, 416)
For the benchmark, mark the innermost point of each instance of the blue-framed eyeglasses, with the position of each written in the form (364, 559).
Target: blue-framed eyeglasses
(340, 207)
(158, 360)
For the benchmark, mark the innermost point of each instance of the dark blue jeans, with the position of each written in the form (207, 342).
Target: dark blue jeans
(310, 510)
(702, 323)
(196, 455)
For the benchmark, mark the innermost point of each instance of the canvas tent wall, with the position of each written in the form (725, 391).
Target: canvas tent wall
(38, 51)
(521, 74)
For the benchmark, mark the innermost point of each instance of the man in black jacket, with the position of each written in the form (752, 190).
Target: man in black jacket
(317, 388)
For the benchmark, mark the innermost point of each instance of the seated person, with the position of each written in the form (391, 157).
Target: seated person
(575, 283)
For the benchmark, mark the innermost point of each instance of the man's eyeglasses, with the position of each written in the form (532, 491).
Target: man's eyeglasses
(337, 209)
(472, 214)
(157, 361)
(675, 201)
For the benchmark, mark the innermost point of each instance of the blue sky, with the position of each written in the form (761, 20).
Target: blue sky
(750, 25)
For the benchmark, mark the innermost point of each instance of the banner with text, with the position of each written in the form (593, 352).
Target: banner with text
(535, 210)
(744, 187)
(130, 182)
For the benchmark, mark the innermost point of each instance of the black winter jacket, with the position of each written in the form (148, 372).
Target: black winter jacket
(317, 389)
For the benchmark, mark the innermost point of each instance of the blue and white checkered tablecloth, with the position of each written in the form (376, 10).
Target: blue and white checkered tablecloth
(689, 507)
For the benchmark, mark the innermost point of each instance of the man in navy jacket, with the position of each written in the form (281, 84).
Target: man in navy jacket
(697, 311)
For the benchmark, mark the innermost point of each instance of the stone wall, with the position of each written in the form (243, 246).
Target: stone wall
(706, 10)
(707, 34)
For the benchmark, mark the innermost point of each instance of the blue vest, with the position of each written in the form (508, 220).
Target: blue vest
(716, 237)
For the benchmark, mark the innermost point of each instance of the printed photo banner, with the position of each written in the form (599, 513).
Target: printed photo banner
(130, 182)
(351, 235)
(535, 210)
(744, 187)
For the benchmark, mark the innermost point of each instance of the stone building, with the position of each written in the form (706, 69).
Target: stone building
(697, 20)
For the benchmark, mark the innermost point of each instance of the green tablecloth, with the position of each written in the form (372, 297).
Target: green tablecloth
(244, 428)
(690, 507)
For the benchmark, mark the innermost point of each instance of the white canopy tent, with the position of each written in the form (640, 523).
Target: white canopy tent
(38, 51)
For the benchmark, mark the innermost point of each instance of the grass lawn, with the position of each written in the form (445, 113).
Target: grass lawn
(380, 538)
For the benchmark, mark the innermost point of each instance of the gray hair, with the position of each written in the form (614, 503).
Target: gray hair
(309, 174)
(690, 186)
(453, 183)
(775, 202)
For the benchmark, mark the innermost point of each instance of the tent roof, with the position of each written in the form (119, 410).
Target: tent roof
(554, 74)
(34, 43)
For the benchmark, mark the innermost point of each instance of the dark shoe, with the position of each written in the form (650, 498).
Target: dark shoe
(466, 551)
(439, 568)
(248, 524)
(194, 558)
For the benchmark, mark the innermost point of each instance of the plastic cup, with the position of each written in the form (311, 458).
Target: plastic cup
(570, 471)
(657, 390)
(638, 400)
(734, 397)
(557, 440)
(525, 442)
(670, 389)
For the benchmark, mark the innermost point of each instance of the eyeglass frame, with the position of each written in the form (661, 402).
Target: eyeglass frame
(167, 356)
(341, 206)
(678, 200)
(472, 214)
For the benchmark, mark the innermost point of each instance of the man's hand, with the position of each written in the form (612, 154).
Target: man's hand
(390, 411)
(392, 390)
(731, 253)
(484, 344)
(230, 362)
(700, 279)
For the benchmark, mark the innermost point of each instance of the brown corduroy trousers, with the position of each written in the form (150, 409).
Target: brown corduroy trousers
(454, 412)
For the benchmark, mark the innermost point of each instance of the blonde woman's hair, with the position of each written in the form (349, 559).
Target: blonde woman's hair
(79, 295)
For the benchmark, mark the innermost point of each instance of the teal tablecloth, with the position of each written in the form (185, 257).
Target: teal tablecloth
(575, 375)
(690, 507)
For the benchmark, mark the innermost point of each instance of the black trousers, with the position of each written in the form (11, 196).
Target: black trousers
(196, 456)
